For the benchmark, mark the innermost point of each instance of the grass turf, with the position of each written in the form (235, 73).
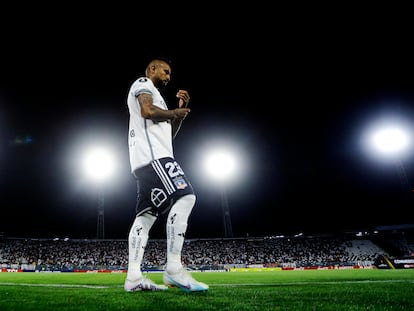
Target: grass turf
(276, 290)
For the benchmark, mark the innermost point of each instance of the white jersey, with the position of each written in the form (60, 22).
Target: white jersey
(148, 140)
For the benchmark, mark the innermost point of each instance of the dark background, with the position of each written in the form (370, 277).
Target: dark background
(293, 93)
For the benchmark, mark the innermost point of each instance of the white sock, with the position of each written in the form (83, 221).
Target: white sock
(137, 241)
(176, 228)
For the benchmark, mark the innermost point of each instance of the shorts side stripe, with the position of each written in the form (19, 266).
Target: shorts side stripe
(169, 186)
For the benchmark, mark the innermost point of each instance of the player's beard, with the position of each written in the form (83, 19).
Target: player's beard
(162, 84)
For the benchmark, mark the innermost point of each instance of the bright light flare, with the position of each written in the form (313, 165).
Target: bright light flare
(388, 140)
(221, 164)
(98, 164)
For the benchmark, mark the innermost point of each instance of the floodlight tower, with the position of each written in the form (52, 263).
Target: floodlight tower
(228, 228)
(221, 166)
(405, 184)
(98, 165)
(391, 140)
(100, 227)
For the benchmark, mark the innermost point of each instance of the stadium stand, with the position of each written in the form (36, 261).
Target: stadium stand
(198, 254)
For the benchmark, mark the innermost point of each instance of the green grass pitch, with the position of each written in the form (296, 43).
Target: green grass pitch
(360, 289)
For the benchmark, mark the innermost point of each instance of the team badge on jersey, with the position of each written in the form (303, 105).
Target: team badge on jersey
(142, 80)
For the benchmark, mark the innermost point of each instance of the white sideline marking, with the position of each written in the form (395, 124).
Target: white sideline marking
(57, 285)
(314, 283)
(218, 285)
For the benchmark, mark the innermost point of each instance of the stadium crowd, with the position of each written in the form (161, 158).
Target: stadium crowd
(206, 254)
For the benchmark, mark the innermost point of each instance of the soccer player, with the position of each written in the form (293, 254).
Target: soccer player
(162, 186)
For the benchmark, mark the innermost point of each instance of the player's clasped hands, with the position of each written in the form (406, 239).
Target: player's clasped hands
(183, 98)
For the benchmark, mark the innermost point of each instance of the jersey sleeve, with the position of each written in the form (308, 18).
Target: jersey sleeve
(142, 86)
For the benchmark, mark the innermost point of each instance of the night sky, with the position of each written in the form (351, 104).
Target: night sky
(293, 103)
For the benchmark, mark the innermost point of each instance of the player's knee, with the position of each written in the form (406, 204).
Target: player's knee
(184, 205)
(189, 199)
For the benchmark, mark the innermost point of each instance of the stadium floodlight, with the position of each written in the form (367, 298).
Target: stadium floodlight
(390, 140)
(221, 165)
(98, 165)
